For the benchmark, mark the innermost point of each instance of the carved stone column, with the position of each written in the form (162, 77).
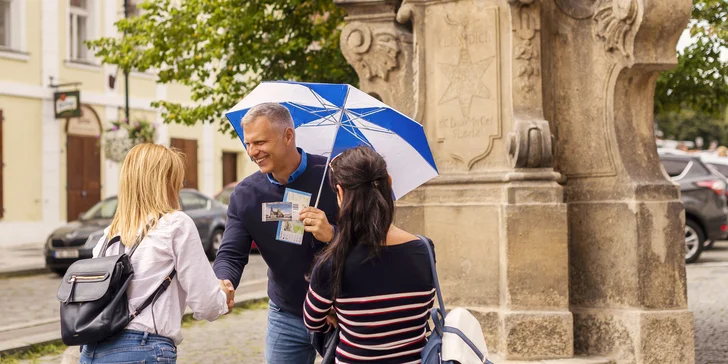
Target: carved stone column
(470, 72)
(627, 270)
(380, 50)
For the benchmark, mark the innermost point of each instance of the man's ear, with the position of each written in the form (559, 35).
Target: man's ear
(389, 177)
(289, 135)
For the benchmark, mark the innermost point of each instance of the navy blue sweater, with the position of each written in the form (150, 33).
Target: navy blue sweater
(288, 263)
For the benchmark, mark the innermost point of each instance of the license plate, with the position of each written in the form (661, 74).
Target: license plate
(66, 253)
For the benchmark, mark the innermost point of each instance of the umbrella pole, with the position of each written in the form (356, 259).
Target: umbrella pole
(323, 178)
(326, 167)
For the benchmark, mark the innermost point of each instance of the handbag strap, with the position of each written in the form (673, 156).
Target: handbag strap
(435, 281)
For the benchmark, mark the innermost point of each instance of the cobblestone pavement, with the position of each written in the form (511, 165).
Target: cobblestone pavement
(708, 299)
(239, 338)
(235, 338)
(33, 298)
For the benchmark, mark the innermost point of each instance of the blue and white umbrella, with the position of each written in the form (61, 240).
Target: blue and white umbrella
(330, 118)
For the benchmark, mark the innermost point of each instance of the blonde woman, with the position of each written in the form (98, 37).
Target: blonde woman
(148, 208)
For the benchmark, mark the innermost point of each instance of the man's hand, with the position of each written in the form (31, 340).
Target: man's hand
(316, 223)
(229, 290)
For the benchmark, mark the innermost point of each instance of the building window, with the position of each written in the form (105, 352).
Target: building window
(5, 23)
(79, 24)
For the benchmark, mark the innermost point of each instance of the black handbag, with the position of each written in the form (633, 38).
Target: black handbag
(325, 344)
(94, 304)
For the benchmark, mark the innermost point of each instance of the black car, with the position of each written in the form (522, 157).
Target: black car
(77, 239)
(703, 193)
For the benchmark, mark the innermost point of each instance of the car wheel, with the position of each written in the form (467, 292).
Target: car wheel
(214, 246)
(708, 244)
(694, 239)
(60, 271)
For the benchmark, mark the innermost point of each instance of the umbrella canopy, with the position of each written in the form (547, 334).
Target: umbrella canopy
(330, 118)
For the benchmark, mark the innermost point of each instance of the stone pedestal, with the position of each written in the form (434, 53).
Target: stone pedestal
(496, 213)
(626, 240)
(558, 243)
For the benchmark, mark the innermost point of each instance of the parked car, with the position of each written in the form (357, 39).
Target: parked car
(720, 165)
(77, 239)
(224, 197)
(703, 193)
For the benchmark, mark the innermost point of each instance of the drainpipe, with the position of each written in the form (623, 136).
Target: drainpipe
(126, 73)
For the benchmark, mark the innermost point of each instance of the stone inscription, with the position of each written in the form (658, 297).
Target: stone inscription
(467, 90)
(467, 128)
(457, 40)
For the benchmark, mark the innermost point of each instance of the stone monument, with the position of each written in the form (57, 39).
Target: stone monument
(552, 220)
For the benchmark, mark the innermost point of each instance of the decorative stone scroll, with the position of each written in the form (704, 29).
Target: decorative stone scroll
(373, 53)
(530, 145)
(614, 20)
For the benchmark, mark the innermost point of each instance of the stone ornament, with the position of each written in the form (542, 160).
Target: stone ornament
(577, 9)
(373, 53)
(530, 144)
(525, 26)
(614, 20)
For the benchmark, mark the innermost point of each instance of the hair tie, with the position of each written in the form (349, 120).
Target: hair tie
(375, 183)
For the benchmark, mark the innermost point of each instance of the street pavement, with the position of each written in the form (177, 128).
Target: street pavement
(22, 258)
(240, 337)
(29, 307)
(235, 338)
(708, 300)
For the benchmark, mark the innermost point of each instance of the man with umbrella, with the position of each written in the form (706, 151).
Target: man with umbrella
(324, 120)
(270, 141)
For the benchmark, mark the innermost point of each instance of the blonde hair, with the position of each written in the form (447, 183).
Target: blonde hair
(149, 184)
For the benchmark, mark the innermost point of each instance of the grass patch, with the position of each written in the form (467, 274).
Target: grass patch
(258, 304)
(33, 353)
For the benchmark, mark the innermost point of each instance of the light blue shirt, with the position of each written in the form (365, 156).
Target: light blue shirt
(296, 173)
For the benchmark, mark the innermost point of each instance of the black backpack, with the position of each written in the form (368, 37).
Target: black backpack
(94, 304)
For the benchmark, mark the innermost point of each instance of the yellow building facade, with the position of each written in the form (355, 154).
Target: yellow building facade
(52, 167)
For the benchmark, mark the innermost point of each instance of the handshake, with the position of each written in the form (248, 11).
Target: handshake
(229, 290)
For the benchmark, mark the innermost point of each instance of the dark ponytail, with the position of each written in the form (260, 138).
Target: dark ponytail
(366, 211)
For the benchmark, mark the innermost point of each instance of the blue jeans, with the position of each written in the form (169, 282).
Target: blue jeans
(130, 347)
(288, 340)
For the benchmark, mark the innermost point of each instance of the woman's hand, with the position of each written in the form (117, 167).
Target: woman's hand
(227, 287)
(331, 318)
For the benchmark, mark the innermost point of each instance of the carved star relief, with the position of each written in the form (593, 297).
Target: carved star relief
(466, 81)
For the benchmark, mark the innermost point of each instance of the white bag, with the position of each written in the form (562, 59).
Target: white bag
(455, 346)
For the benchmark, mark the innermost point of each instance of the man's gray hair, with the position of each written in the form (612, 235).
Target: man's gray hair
(278, 115)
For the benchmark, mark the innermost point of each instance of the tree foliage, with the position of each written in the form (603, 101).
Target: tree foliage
(222, 49)
(689, 125)
(699, 80)
(691, 99)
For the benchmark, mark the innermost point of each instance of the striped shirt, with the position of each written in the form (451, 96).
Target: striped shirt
(383, 305)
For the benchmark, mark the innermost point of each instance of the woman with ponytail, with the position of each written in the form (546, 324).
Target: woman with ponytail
(373, 276)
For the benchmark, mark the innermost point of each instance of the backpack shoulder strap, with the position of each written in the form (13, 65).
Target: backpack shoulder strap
(467, 341)
(107, 243)
(139, 240)
(158, 292)
(435, 281)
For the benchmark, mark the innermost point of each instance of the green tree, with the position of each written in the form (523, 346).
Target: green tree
(688, 125)
(222, 49)
(700, 80)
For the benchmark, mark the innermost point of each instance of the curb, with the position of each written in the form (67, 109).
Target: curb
(24, 271)
(25, 344)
